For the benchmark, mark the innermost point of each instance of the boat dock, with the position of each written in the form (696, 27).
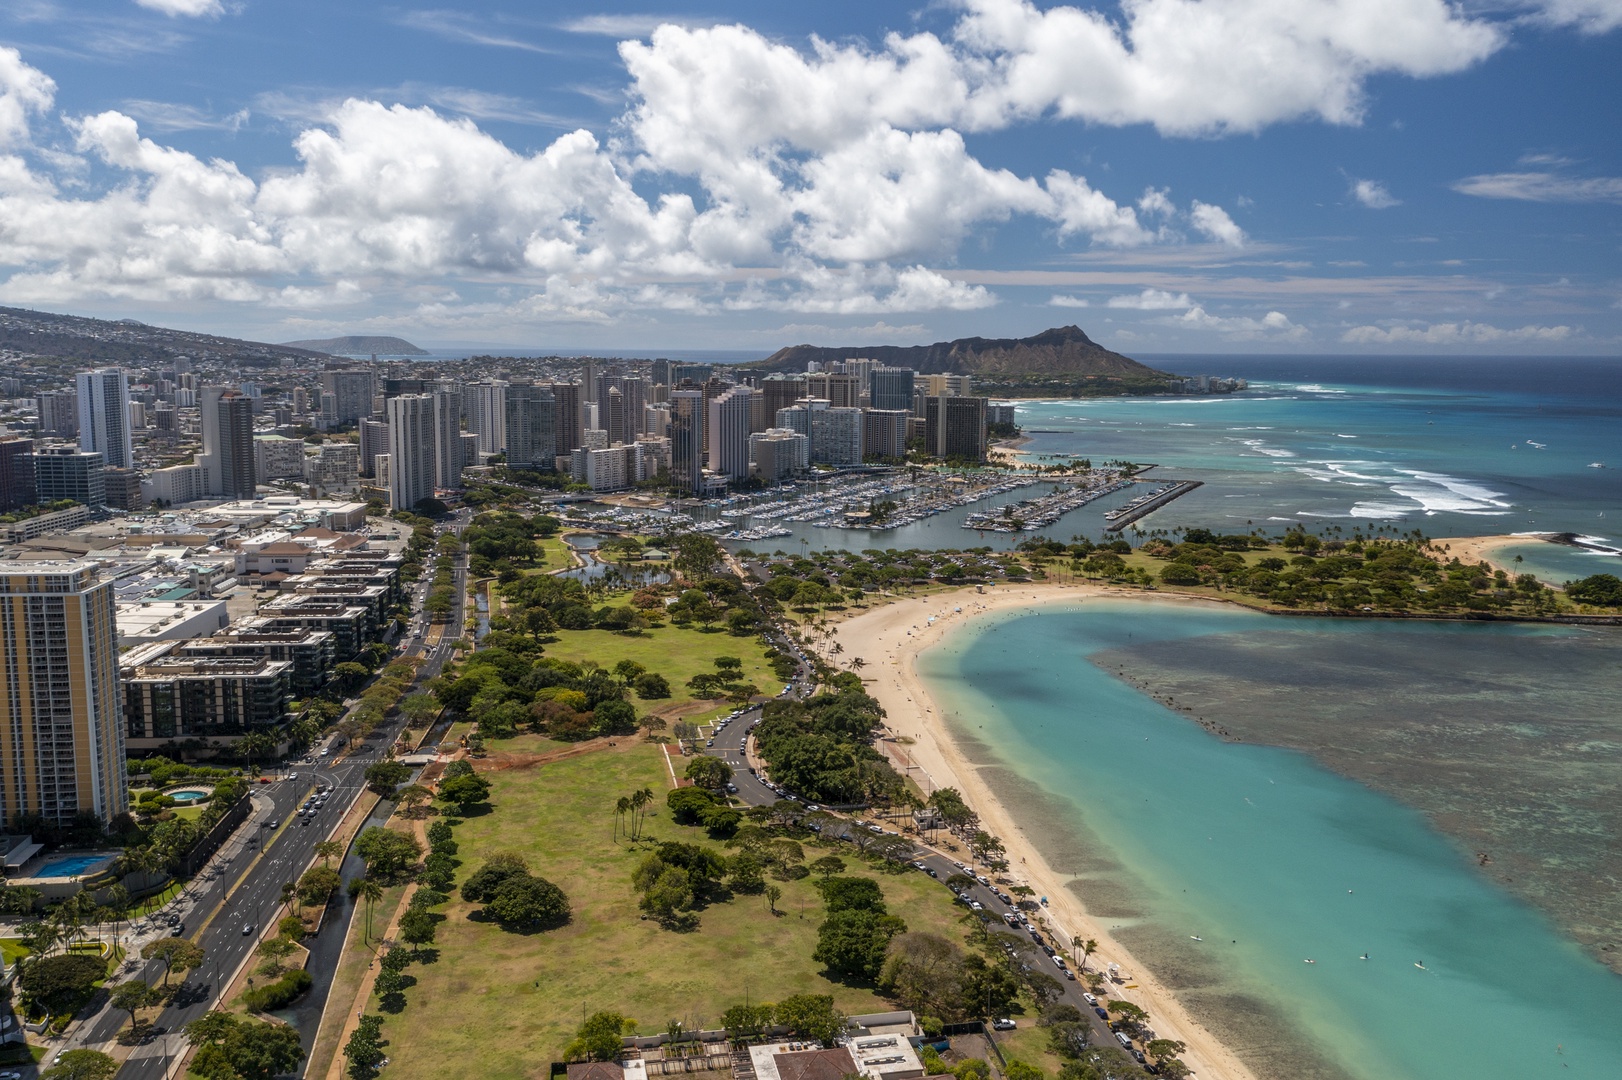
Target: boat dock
(1148, 504)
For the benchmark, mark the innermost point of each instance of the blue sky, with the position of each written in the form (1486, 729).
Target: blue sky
(1341, 176)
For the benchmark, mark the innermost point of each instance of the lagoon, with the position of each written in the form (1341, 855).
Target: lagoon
(1272, 858)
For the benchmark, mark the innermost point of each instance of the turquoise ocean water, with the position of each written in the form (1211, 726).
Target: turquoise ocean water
(1272, 860)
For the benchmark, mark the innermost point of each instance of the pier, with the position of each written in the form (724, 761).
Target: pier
(1148, 504)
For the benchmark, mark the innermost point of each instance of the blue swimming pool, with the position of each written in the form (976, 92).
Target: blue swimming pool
(189, 795)
(71, 866)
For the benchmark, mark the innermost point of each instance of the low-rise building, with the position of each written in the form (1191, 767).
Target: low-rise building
(56, 521)
(312, 653)
(352, 625)
(169, 697)
(174, 486)
(169, 620)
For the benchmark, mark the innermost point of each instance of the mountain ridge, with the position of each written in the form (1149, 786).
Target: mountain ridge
(126, 341)
(1063, 352)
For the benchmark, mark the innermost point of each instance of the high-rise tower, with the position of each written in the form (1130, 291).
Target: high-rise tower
(63, 748)
(104, 416)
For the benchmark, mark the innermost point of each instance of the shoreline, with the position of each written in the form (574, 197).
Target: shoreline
(889, 640)
(1481, 549)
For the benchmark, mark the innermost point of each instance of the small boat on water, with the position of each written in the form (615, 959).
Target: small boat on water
(1195, 937)
(1309, 961)
(1420, 964)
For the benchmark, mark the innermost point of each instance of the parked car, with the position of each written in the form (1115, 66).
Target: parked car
(1102, 1015)
(1004, 1025)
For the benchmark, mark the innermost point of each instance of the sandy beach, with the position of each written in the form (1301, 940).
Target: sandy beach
(888, 639)
(1478, 549)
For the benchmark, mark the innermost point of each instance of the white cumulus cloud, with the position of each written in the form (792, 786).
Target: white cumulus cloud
(1215, 223)
(1275, 325)
(1589, 16)
(190, 8)
(24, 92)
(1373, 194)
(1153, 300)
(832, 178)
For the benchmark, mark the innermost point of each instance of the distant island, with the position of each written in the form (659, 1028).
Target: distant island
(360, 345)
(1061, 362)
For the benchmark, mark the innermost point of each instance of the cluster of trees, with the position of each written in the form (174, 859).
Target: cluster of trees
(442, 595)
(389, 854)
(514, 897)
(377, 700)
(675, 878)
(499, 541)
(158, 843)
(510, 687)
(419, 545)
(1345, 575)
(1601, 590)
(935, 977)
(839, 577)
(162, 772)
(857, 929)
(231, 1047)
(57, 986)
(809, 1016)
(702, 806)
(725, 681)
(821, 748)
(542, 604)
(364, 1049)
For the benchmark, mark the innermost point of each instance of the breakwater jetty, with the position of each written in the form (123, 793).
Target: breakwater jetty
(1148, 504)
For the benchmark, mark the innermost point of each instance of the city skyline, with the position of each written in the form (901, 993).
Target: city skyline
(1405, 176)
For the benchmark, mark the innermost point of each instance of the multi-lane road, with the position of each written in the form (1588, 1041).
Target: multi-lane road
(239, 894)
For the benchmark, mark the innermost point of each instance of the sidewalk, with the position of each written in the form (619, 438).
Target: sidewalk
(142, 932)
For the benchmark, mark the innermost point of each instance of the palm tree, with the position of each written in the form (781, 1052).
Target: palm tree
(647, 801)
(1087, 948)
(327, 850)
(637, 800)
(371, 892)
(621, 808)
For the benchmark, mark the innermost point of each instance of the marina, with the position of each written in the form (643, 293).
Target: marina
(1032, 514)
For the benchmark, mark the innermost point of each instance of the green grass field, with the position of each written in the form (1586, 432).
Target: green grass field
(501, 1005)
(675, 652)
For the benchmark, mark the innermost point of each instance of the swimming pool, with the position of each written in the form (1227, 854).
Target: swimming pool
(71, 866)
(189, 795)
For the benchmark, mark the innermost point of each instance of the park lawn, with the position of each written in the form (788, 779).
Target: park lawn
(504, 1005)
(527, 744)
(12, 950)
(677, 653)
(1029, 1043)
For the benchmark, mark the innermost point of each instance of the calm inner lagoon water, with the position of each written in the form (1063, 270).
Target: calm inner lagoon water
(1272, 858)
